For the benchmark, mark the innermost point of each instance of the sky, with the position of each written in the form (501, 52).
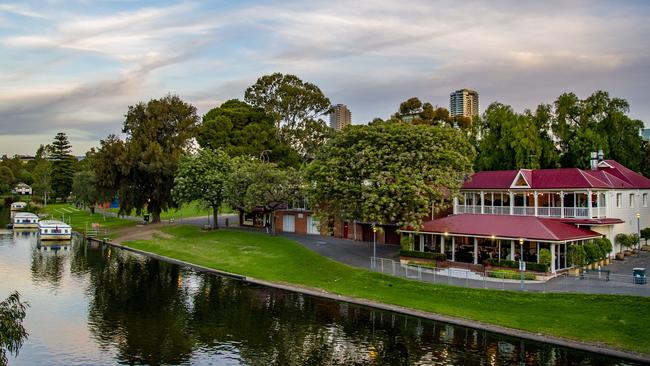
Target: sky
(76, 66)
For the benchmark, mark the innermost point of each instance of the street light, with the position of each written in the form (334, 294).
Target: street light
(521, 261)
(638, 233)
(374, 245)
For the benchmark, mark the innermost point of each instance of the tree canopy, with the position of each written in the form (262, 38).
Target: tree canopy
(388, 172)
(240, 129)
(84, 189)
(202, 177)
(12, 332)
(63, 166)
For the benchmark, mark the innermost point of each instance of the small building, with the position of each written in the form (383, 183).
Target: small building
(299, 221)
(22, 189)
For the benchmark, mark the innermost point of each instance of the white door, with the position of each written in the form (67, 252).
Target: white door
(312, 225)
(288, 223)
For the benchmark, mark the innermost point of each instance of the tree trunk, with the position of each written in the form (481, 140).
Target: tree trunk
(155, 217)
(92, 209)
(215, 213)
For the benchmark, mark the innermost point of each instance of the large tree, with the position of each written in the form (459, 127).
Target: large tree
(84, 189)
(109, 165)
(240, 129)
(388, 172)
(202, 177)
(12, 331)
(511, 140)
(257, 184)
(7, 179)
(294, 105)
(158, 133)
(42, 186)
(63, 165)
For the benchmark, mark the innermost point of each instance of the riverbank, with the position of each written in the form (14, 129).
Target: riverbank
(600, 320)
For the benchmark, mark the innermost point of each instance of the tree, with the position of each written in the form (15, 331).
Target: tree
(388, 172)
(513, 141)
(545, 257)
(241, 129)
(84, 189)
(158, 132)
(62, 168)
(623, 240)
(109, 165)
(12, 332)
(292, 103)
(254, 183)
(577, 255)
(7, 179)
(42, 183)
(414, 111)
(202, 177)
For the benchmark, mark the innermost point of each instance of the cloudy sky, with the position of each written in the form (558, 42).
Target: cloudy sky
(75, 66)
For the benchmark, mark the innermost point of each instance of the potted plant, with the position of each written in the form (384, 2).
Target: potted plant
(545, 258)
(645, 234)
(606, 248)
(622, 240)
(576, 256)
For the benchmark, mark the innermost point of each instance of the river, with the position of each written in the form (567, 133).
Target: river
(97, 305)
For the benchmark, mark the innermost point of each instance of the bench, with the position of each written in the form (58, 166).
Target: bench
(595, 271)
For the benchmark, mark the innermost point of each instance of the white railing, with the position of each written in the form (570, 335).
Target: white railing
(520, 211)
(468, 209)
(569, 212)
(501, 210)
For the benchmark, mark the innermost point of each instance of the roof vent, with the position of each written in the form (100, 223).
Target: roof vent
(601, 155)
(594, 160)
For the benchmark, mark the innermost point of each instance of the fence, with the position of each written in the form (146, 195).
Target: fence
(588, 282)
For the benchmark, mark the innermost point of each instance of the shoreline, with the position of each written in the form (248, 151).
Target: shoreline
(538, 337)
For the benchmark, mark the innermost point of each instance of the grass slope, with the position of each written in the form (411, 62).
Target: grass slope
(608, 319)
(194, 209)
(81, 219)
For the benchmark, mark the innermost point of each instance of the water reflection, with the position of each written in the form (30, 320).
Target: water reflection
(109, 306)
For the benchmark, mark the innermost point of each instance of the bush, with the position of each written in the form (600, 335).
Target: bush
(510, 275)
(503, 263)
(592, 252)
(623, 240)
(406, 242)
(545, 258)
(537, 267)
(645, 234)
(425, 255)
(577, 255)
(605, 246)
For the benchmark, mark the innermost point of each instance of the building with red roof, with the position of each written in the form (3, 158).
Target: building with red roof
(508, 214)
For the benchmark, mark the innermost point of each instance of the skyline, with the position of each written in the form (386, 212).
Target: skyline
(77, 66)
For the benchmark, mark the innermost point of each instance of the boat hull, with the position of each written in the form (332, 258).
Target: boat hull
(55, 237)
(33, 225)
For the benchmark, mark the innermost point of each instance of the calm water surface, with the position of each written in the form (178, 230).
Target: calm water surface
(94, 305)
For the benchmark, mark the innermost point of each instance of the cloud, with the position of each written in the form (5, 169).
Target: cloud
(80, 66)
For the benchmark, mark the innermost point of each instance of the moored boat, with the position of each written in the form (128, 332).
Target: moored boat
(17, 206)
(23, 220)
(54, 230)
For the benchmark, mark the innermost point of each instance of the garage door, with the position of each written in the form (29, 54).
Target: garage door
(289, 223)
(312, 225)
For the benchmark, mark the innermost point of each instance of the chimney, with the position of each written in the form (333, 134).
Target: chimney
(601, 155)
(594, 160)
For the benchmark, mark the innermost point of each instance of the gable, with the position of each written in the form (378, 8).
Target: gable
(520, 181)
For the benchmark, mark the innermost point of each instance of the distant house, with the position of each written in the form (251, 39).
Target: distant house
(22, 189)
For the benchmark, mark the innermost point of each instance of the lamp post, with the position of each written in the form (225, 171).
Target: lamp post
(374, 245)
(638, 233)
(521, 261)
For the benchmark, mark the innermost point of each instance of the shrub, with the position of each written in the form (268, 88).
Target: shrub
(577, 255)
(425, 255)
(623, 240)
(406, 242)
(645, 234)
(510, 275)
(503, 263)
(605, 246)
(545, 258)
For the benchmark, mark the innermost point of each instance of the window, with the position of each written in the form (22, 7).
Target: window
(645, 200)
(631, 200)
(619, 198)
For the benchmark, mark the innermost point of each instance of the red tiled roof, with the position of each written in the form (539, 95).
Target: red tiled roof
(616, 177)
(515, 227)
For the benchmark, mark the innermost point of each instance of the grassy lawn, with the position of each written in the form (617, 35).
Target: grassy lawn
(81, 219)
(608, 319)
(193, 209)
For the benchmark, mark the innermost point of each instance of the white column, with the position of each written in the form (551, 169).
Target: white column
(553, 258)
(512, 202)
(453, 248)
(482, 202)
(455, 206)
(499, 250)
(589, 202)
(512, 250)
(421, 243)
(537, 252)
(442, 244)
(562, 204)
(475, 250)
(536, 203)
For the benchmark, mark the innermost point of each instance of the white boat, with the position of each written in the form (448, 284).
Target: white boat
(17, 206)
(22, 220)
(54, 230)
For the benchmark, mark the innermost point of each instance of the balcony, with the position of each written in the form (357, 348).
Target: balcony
(569, 212)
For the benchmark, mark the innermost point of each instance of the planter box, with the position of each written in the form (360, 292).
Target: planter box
(404, 260)
(606, 261)
(574, 271)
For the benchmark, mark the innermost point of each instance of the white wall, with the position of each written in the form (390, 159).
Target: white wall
(627, 213)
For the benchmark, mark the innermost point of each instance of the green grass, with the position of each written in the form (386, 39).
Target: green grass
(81, 220)
(194, 209)
(617, 321)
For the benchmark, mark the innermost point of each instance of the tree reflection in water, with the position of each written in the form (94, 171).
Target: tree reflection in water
(153, 312)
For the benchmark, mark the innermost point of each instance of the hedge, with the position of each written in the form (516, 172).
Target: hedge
(425, 255)
(531, 266)
(510, 275)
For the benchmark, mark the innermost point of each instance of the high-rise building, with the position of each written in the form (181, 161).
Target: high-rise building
(645, 134)
(340, 117)
(463, 102)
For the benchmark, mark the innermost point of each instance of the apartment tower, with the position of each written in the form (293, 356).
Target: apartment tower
(463, 102)
(340, 117)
